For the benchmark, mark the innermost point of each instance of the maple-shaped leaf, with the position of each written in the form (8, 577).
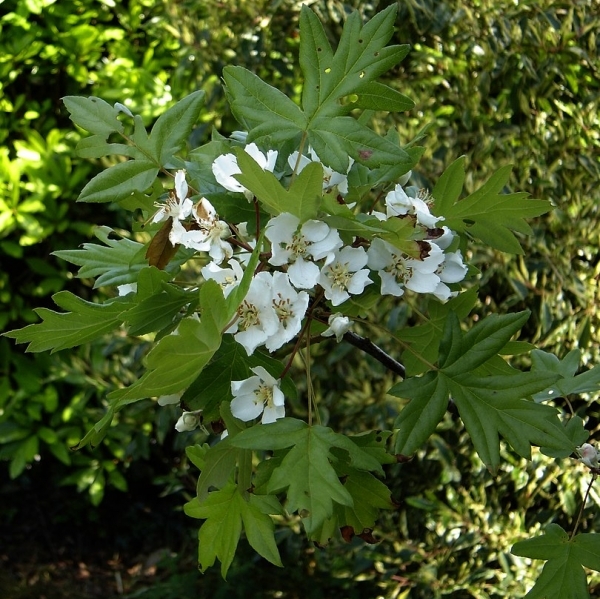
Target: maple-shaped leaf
(490, 406)
(85, 322)
(563, 576)
(227, 512)
(335, 84)
(569, 383)
(487, 213)
(307, 470)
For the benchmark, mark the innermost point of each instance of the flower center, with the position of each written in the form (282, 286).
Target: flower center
(398, 269)
(264, 393)
(297, 246)
(283, 309)
(249, 316)
(339, 276)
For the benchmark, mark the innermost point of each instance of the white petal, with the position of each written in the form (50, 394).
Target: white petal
(246, 407)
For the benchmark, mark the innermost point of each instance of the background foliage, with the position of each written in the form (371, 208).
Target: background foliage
(502, 82)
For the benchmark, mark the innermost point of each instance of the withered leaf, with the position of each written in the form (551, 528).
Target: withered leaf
(161, 250)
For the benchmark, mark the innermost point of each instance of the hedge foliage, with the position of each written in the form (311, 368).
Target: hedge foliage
(503, 82)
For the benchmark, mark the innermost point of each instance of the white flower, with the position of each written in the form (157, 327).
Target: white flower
(169, 400)
(208, 237)
(339, 325)
(126, 289)
(257, 319)
(225, 167)
(301, 246)
(399, 204)
(398, 271)
(257, 395)
(188, 421)
(177, 206)
(451, 270)
(227, 278)
(344, 275)
(290, 307)
(444, 240)
(331, 178)
(588, 455)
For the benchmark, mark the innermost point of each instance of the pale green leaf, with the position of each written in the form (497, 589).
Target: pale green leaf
(93, 115)
(119, 181)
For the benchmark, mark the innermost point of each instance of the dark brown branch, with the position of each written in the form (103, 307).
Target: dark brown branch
(376, 352)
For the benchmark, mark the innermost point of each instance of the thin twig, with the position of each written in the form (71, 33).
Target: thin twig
(583, 506)
(376, 352)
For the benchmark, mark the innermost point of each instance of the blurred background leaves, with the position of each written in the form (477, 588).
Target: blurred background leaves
(502, 82)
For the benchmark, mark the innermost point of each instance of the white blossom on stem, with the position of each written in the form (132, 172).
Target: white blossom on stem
(259, 394)
(227, 278)
(290, 307)
(300, 246)
(178, 205)
(399, 204)
(188, 421)
(225, 167)
(398, 271)
(209, 236)
(256, 317)
(345, 275)
(588, 455)
(451, 270)
(331, 178)
(339, 325)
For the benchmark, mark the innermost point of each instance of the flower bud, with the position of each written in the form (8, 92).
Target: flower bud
(588, 455)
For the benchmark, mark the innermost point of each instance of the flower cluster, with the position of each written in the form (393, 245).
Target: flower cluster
(305, 259)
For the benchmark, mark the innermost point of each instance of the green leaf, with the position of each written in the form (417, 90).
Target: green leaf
(117, 262)
(226, 513)
(302, 199)
(569, 383)
(424, 340)
(93, 115)
(336, 138)
(263, 109)
(177, 359)
(447, 190)
(172, 128)
(85, 322)
(96, 146)
(377, 96)
(563, 576)
(490, 406)
(119, 181)
(306, 471)
(487, 214)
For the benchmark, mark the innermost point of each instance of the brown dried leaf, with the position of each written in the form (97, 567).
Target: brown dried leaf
(161, 250)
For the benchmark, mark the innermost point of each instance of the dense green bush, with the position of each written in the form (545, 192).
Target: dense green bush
(504, 83)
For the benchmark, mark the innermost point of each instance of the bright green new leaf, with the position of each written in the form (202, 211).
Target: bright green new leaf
(487, 214)
(93, 115)
(563, 576)
(302, 199)
(172, 128)
(307, 470)
(177, 359)
(84, 322)
(120, 181)
(226, 512)
(117, 262)
(569, 383)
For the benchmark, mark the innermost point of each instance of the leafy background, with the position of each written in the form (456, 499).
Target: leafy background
(501, 83)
